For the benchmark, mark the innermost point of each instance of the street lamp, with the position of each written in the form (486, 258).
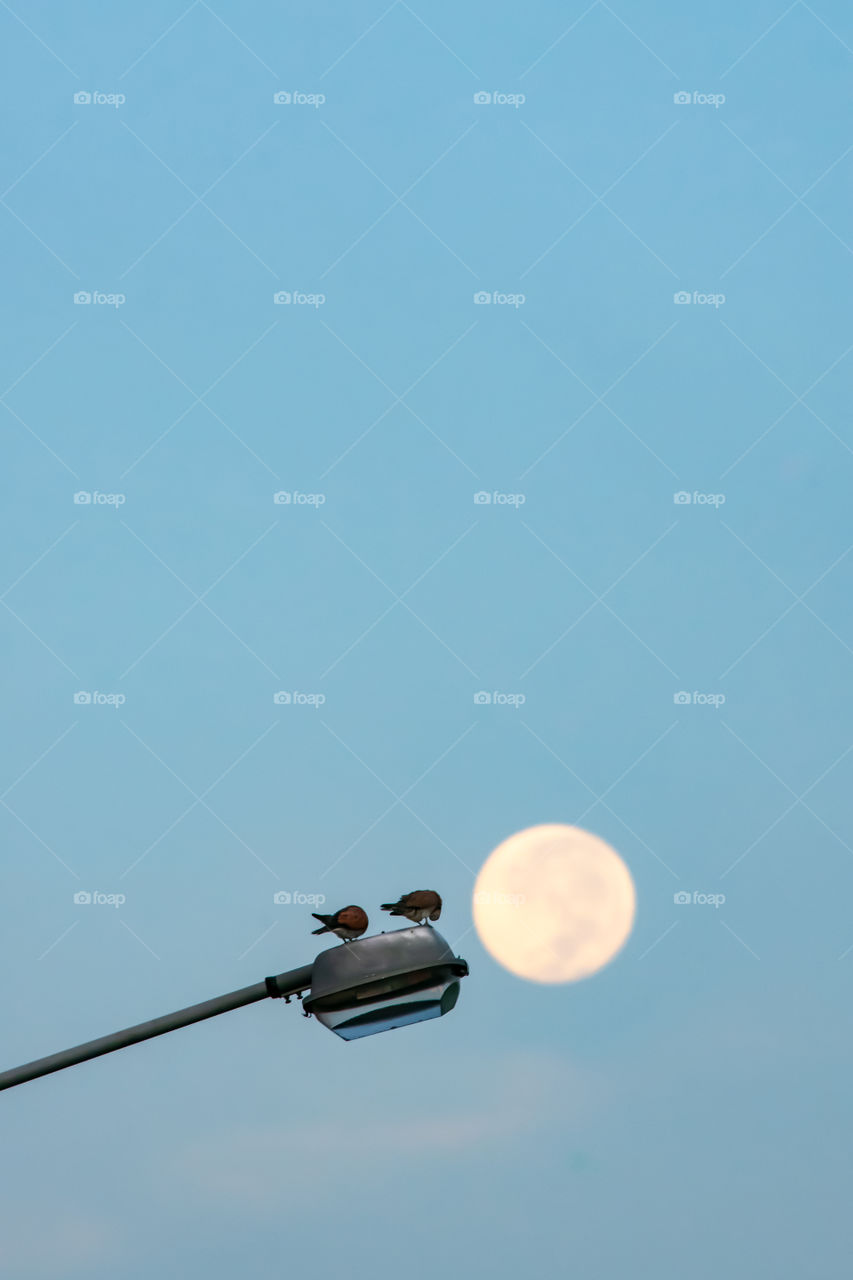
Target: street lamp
(357, 989)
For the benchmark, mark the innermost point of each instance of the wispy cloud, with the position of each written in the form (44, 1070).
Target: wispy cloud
(254, 1164)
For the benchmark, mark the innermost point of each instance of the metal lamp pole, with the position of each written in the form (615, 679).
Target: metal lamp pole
(284, 984)
(357, 989)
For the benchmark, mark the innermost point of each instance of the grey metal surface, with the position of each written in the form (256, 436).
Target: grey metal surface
(383, 955)
(291, 983)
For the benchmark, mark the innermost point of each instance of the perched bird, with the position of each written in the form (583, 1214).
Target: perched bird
(419, 906)
(348, 923)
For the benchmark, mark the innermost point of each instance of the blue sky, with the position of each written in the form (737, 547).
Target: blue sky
(681, 1113)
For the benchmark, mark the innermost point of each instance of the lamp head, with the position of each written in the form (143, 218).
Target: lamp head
(385, 981)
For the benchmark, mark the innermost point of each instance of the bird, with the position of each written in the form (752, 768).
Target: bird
(419, 906)
(348, 923)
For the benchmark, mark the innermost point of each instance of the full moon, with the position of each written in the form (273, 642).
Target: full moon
(554, 904)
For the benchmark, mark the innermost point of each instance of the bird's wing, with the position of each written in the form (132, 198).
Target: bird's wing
(420, 898)
(353, 918)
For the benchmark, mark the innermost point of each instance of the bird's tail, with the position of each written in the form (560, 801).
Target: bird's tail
(322, 919)
(389, 906)
(325, 929)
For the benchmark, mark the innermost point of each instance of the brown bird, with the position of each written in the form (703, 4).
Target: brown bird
(348, 923)
(419, 906)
